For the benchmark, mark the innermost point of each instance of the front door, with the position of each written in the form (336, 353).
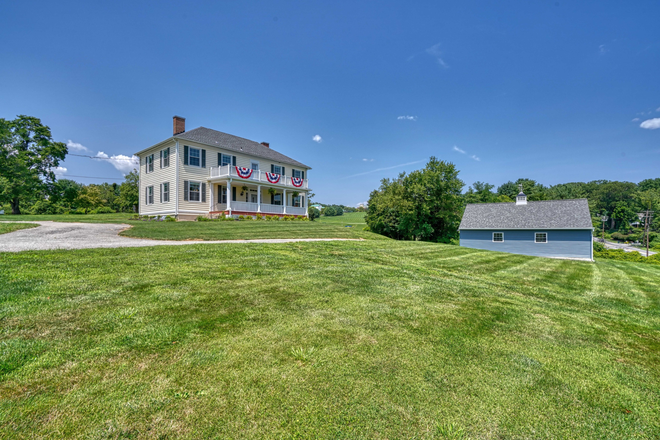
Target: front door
(253, 198)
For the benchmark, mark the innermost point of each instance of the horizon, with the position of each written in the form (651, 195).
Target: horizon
(553, 92)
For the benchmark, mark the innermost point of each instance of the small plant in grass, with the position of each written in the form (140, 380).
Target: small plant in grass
(302, 355)
(201, 218)
(450, 431)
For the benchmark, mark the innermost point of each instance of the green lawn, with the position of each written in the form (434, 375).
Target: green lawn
(349, 218)
(371, 339)
(120, 217)
(11, 227)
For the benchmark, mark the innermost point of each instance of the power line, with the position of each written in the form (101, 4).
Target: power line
(64, 176)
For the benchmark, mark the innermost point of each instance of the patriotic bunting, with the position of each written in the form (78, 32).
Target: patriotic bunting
(273, 177)
(296, 181)
(244, 173)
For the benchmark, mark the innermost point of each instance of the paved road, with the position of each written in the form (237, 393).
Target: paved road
(57, 235)
(625, 247)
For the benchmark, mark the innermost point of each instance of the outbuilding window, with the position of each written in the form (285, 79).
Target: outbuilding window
(541, 237)
(498, 237)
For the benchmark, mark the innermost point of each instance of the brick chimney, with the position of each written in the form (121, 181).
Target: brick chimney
(179, 125)
(265, 144)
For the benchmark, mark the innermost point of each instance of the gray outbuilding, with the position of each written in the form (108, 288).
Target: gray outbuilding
(549, 228)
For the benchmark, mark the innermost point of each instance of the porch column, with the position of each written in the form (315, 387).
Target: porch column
(229, 196)
(305, 203)
(284, 200)
(211, 196)
(258, 198)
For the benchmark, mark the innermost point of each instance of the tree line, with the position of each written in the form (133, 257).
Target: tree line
(428, 204)
(29, 158)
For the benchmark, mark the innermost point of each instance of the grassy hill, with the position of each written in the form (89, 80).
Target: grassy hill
(371, 339)
(349, 218)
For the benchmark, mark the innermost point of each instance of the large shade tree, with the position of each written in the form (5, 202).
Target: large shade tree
(423, 205)
(28, 157)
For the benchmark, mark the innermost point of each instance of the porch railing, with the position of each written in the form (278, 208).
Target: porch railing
(266, 208)
(257, 176)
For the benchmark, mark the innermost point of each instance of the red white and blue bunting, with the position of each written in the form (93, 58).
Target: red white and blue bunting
(244, 173)
(296, 181)
(273, 177)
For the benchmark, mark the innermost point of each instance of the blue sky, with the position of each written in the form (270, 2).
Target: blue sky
(556, 91)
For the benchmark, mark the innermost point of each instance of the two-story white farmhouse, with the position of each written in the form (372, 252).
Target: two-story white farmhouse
(207, 172)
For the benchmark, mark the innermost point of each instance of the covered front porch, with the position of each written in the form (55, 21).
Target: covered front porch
(233, 197)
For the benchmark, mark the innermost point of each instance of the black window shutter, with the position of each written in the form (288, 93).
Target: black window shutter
(219, 159)
(233, 193)
(161, 158)
(302, 174)
(146, 196)
(167, 162)
(161, 191)
(203, 192)
(272, 198)
(185, 155)
(283, 171)
(186, 187)
(233, 160)
(293, 172)
(203, 158)
(219, 193)
(272, 168)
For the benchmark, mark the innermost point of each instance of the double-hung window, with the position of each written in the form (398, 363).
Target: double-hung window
(296, 173)
(277, 169)
(149, 163)
(194, 192)
(297, 201)
(150, 195)
(165, 192)
(254, 165)
(277, 199)
(195, 157)
(540, 237)
(498, 237)
(165, 158)
(226, 160)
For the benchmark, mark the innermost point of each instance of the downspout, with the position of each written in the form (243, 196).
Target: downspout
(176, 180)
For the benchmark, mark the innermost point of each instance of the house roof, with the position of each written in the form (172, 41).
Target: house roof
(230, 142)
(547, 214)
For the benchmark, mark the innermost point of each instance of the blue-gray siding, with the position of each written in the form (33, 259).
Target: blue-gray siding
(561, 243)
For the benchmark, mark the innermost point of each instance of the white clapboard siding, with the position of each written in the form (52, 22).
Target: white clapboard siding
(155, 179)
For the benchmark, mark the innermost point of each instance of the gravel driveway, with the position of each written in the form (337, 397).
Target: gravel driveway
(56, 235)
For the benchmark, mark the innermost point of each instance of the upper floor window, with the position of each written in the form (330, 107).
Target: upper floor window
(254, 165)
(277, 169)
(225, 160)
(541, 237)
(296, 173)
(498, 237)
(195, 157)
(149, 162)
(165, 158)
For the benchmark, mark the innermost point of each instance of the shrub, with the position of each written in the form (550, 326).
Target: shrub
(621, 255)
(618, 236)
(169, 218)
(248, 217)
(240, 217)
(313, 213)
(259, 217)
(201, 218)
(104, 210)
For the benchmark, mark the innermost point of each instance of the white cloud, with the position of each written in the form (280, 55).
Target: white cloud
(657, 109)
(434, 51)
(651, 124)
(475, 158)
(459, 150)
(75, 146)
(472, 156)
(59, 171)
(367, 160)
(407, 118)
(125, 164)
(317, 138)
(602, 49)
(635, 119)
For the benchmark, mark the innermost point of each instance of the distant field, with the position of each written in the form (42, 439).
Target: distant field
(370, 339)
(350, 218)
(11, 227)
